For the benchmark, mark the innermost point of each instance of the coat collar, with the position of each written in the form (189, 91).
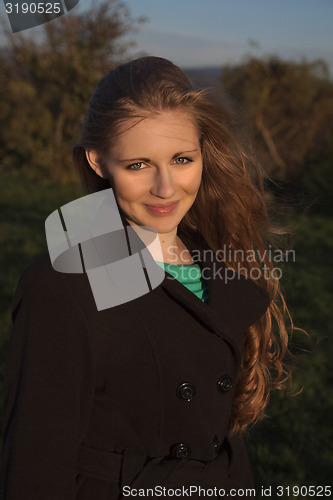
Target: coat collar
(234, 303)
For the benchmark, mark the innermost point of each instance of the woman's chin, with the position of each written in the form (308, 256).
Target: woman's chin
(161, 224)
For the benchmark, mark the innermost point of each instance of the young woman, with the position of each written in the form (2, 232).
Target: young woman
(155, 392)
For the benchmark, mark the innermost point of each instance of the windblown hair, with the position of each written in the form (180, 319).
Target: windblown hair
(229, 210)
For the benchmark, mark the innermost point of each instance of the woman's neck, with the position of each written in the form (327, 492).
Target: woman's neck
(173, 249)
(168, 248)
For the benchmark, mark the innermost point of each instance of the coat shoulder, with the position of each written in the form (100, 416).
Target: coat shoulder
(39, 282)
(237, 300)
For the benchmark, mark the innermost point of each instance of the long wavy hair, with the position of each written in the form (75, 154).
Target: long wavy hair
(229, 210)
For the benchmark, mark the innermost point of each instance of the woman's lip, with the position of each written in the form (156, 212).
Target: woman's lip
(162, 209)
(163, 205)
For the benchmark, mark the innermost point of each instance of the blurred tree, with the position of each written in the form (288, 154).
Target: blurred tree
(46, 85)
(289, 105)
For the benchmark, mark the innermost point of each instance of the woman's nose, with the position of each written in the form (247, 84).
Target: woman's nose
(163, 184)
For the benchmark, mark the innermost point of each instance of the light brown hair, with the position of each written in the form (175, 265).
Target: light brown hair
(229, 209)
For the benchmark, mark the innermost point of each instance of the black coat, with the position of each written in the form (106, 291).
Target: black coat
(139, 394)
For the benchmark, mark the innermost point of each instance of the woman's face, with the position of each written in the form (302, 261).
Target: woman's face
(155, 169)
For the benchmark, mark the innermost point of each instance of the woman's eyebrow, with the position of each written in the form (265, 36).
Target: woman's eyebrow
(148, 160)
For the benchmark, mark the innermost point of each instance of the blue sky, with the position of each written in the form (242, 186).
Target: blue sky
(213, 32)
(196, 33)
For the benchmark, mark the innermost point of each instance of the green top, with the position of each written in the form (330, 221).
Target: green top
(189, 276)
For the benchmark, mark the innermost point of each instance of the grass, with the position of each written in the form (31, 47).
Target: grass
(294, 445)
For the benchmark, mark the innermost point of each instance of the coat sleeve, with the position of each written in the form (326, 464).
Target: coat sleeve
(48, 389)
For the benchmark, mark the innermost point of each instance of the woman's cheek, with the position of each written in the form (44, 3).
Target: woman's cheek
(126, 187)
(196, 181)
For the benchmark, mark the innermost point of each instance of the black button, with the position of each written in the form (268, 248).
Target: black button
(224, 384)
(216, 443)
(186, 391)
(180, 450)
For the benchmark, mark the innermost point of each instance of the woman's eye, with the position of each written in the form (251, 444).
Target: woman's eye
(182, 160)
(136, 166)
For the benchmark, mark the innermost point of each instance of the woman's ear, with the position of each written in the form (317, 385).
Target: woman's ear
(94, 161)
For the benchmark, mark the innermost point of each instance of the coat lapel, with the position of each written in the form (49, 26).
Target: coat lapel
(234, 303)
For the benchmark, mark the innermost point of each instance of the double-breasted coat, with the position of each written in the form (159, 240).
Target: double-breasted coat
(138, 395)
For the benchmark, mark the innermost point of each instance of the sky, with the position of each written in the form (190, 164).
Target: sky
(196, 33)
(199, 33)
